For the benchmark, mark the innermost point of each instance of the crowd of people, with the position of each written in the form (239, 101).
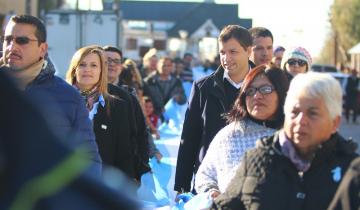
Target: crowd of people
(260, 131)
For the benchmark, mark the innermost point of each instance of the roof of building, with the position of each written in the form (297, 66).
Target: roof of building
(155, 10)
(187, 16)
(355, 49)
(220, 14)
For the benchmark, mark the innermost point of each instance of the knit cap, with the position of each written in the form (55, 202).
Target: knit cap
(297, 53)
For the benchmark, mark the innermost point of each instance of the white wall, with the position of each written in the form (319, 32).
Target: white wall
(81, 30)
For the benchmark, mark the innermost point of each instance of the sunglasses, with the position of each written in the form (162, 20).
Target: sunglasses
(114, 61)
(20, 40)
(264, 90)
(292, 62)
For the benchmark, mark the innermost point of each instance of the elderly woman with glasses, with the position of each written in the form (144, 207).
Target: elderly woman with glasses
(88, 73)
(296, 60)
(301, 165)
(257, 112)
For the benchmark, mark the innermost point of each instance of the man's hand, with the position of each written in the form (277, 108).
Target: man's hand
(214, 193)
(158, 156)
(177, 197)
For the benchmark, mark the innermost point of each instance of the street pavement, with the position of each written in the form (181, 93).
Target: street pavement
(169, 144)
(350, 130)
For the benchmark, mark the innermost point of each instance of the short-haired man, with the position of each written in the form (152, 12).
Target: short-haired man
(211, 97)
(114, 62)
(187, 73)
(24, 48)
(162, 86)
(278, 55)
(262, 49)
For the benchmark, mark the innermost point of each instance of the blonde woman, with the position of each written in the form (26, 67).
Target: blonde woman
(88, 74)
(131, 66)
(150, 61)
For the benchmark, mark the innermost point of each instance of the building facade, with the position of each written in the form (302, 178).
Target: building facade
(174, 28)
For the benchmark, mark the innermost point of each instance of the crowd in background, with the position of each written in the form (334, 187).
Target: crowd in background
(260, 130)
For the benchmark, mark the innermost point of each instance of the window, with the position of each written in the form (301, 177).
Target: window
(160, 44)
(140, 25)
(64, 19)
(131, 44)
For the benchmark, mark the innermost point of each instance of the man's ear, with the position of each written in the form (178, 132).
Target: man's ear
(43, 49)
(248, 51)
(336, 124)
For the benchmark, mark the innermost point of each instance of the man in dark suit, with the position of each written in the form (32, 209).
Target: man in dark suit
(137, 123)
(210, 98)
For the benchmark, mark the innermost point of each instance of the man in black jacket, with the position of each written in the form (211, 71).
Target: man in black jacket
(136, 117)
(162, 86)
(210, 98)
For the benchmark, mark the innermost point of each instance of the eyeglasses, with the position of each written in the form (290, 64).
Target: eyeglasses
(292, 62)
(20, 40)
(114, 61)
(264, 90)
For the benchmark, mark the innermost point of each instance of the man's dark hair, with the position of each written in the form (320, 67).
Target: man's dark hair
(237, 32)
(147, 99)
(260, 32)
(40, 32)
(109, 48)
(279, 49)
(188, 54)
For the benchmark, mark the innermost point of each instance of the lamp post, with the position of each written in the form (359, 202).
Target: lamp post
(116, 8)
(183, 36)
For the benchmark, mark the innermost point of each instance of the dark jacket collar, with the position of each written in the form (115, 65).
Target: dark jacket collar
(218, 79)
(219, 76)
(218, 89)
(46, 73)
(335, 144)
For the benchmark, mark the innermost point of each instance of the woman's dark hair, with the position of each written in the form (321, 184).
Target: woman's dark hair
(126, 75)
(280, 82)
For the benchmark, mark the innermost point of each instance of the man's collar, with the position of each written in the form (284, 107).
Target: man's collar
(227, 77)
(26, 76)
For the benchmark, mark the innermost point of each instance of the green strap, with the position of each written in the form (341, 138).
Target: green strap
(50, 183)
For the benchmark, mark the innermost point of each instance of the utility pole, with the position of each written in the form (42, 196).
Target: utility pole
(335, 47)
(116, 8)
(28, 7)
(79, 25)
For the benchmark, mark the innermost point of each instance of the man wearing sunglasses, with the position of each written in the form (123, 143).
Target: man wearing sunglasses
(24, 51)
